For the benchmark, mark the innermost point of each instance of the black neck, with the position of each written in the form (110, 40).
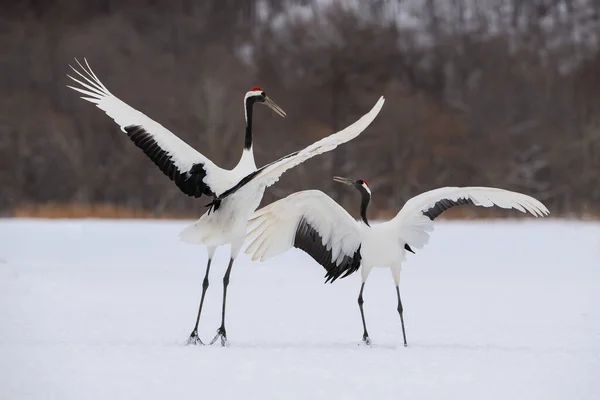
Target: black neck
(249, 106)
(364, 203)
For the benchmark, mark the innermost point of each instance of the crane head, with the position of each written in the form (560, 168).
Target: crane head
(365, 193)
(259, 96)
(361, 185)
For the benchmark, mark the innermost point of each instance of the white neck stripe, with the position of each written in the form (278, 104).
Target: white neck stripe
(364, 185)
(251, 93)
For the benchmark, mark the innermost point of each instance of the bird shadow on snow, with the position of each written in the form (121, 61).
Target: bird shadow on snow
(285, 345)
(309, 345)
(389, 346)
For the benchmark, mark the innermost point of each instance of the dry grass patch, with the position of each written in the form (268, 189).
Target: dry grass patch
(110, 211)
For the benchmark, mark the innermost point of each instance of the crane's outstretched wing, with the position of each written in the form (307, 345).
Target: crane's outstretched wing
(310, 221)
(415, 219)
(191, 171)
(270, 173)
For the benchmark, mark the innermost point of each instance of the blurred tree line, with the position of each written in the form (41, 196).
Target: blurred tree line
(499, 93)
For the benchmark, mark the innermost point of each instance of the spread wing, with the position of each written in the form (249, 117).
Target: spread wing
(415, 219)
(310, 221)
(270, 173)
(191, 171)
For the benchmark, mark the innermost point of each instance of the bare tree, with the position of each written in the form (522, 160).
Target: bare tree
(496, 92)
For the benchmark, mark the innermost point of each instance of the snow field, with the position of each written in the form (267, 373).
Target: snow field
(493, 310)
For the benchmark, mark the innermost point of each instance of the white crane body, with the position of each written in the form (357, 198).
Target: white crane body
(380, 247)
(227, 224)
(313, 222)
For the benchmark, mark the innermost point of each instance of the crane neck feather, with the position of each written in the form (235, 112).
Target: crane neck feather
(248, 107)
(364, 204)
(247, 162)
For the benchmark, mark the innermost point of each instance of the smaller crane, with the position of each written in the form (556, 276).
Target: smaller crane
(313, 222)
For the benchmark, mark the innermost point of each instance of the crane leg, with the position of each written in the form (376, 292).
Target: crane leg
(366, 338)
(194, 339)
(400, 312)
(221, 332)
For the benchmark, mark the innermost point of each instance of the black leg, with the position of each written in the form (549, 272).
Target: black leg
(221, 333)
(194, 339)
(400, 311)
(362, 314)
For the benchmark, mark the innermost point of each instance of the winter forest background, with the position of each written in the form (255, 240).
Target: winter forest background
(499, 93)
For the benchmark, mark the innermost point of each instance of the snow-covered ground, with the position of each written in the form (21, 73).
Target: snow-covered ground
(494, 310)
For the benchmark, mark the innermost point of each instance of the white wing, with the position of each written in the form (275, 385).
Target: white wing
(311, 221)
(415, 219)
(191, 171)
(270, 173)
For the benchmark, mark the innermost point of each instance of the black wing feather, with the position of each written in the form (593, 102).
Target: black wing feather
(308, 239)
(438, 208)
(245, 180)
(190, 182)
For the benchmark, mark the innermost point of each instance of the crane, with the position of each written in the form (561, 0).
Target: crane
(235, 193)
(313, 222)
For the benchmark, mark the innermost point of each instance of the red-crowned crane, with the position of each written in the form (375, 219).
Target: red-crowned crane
(313, 222)
(235, 193)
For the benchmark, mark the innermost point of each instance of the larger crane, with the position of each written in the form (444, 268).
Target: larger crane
(235, 193)
(313, 222)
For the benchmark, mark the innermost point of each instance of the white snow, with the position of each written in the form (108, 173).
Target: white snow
(493, 310)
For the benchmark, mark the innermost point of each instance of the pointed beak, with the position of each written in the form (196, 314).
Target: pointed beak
(271, 104)
(343, 180)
